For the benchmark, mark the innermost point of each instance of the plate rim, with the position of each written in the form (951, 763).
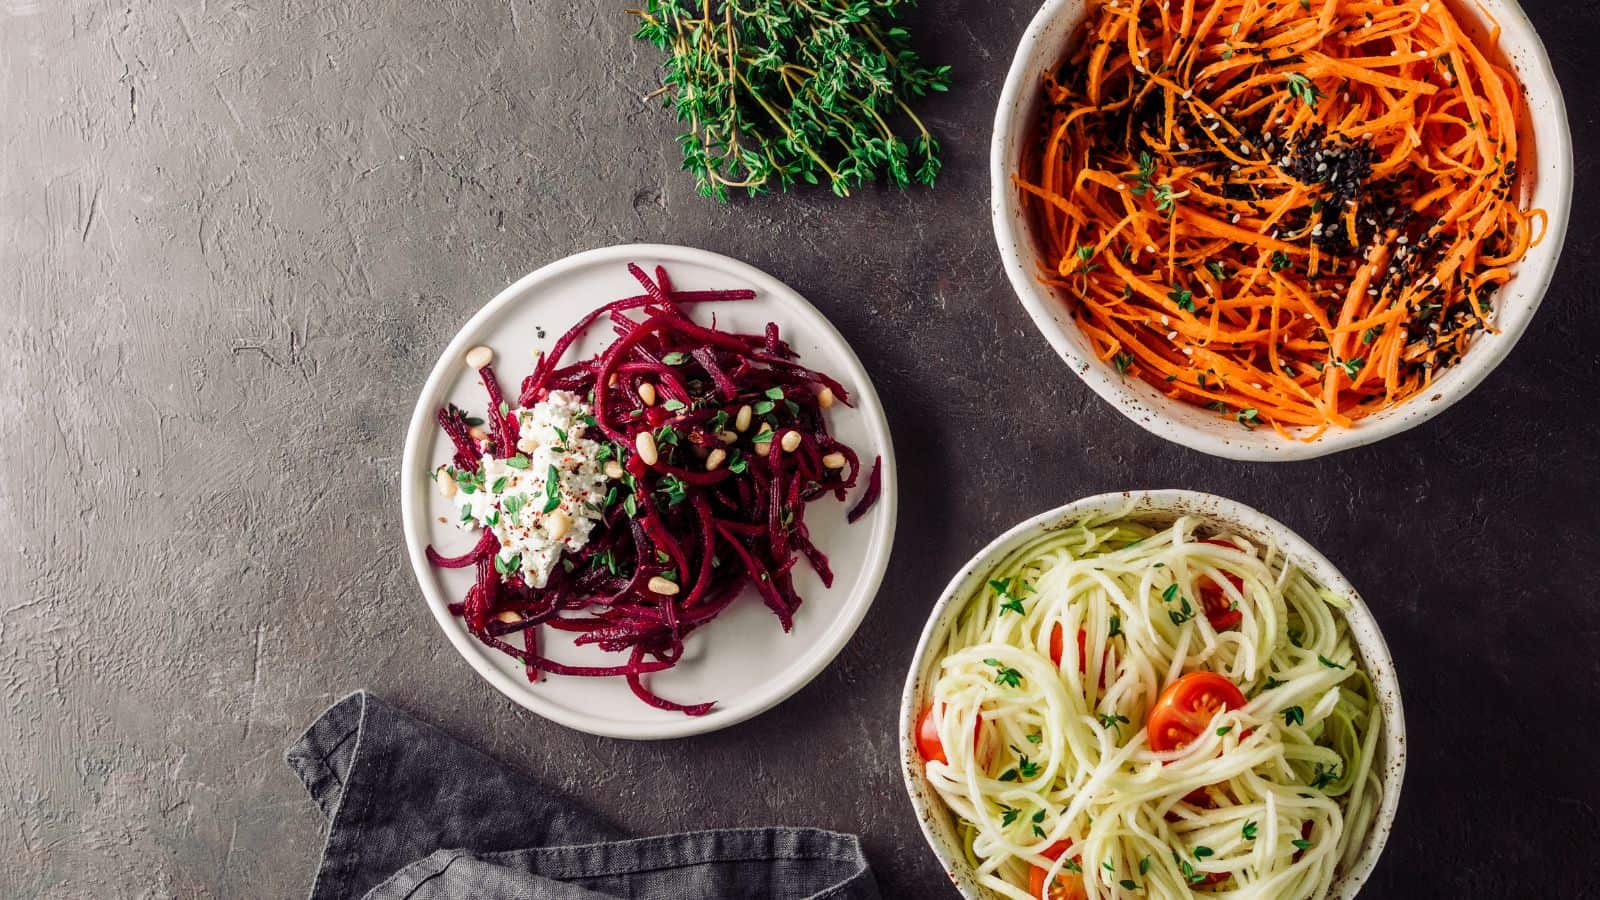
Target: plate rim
(413, 490)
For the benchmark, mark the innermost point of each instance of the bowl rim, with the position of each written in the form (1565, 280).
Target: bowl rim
(1374, 649)
(1514, 307)
(883, 517)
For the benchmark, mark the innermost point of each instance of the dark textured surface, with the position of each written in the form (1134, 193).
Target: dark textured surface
(233, 238)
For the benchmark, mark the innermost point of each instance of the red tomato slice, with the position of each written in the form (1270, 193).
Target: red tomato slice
(1215, 601)
(928, 738)
(1187, 706)
(928, 743)
(1057, 644)
(1066, 886)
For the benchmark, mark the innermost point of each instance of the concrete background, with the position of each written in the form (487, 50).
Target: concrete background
(233, 238)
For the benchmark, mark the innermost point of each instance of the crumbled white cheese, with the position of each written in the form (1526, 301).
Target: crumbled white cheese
(547, 497)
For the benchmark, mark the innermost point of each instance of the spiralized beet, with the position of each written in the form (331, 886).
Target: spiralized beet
(719, 508)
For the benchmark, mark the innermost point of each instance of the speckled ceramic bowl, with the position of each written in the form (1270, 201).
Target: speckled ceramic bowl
(1547, 184)
(1156, 508)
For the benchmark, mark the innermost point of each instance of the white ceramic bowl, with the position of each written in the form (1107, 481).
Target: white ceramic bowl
(743, 660)
(1549, 187)
(1156, 508)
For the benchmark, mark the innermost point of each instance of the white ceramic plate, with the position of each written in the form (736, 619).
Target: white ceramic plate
(743, 660)
(1548, 186)
(1156, 508)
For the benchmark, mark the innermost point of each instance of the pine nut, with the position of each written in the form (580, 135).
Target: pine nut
(613, 469)
(647, 393)
(727, 437)
(741, 421)
(477, 434)
(791, 441)
(557, 524)
(478, 357)
(447, 484)
(527, 445)
(508, 616)
(825, 397)
(833, 461)
(645, 444)
(716, 459)
(661, 585)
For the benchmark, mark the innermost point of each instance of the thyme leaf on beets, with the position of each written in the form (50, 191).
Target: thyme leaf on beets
(777, 93)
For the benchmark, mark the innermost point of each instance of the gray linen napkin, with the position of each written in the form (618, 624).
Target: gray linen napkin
(415, 814)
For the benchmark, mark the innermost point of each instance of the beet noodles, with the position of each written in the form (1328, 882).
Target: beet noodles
(719, 508)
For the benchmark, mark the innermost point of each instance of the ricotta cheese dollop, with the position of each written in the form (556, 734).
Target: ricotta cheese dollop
(546, 498)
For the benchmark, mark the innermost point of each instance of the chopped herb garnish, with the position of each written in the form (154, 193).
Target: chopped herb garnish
(1302, 89)
(518, 462)
(1324, 777)
(1005, 675)
(1294, 715)
(1183, 297)
(1025, 769)
(552, 490)
(512, 506)
(673, 488)
(1113, 722)
(1328, 662)
(1008, 601)
(1249, 831)
(1122, 361)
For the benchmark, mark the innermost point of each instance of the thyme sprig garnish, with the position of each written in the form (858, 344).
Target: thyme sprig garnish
(780, 92)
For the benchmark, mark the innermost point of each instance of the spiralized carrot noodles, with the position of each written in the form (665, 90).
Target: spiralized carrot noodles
(1294, 212)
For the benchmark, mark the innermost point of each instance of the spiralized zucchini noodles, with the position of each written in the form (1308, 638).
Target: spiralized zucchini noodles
(1130, 711)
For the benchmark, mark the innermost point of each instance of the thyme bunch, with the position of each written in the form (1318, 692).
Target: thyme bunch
(778, 92)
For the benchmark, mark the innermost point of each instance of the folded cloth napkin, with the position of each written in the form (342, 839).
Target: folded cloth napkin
(414, 814)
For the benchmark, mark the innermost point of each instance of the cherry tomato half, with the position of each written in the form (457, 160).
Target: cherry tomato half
(1057, 644)
(1185, 709)
(1214, 600)
(928, 738)
(929, 745)
(1066, 886)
